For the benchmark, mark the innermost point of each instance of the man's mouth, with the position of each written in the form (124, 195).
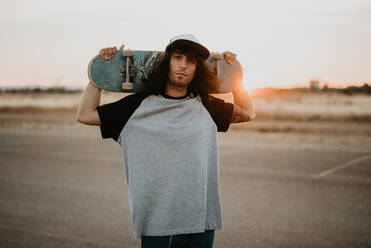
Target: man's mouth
(181, 74)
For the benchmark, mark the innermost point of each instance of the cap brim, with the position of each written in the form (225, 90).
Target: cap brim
(199, 49)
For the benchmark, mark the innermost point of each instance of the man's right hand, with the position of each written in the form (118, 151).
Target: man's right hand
(110, 52)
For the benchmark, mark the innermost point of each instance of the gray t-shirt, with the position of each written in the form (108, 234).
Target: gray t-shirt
(170, 152)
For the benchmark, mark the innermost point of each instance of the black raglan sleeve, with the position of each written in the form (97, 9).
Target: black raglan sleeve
(220, 111)
(114, 116)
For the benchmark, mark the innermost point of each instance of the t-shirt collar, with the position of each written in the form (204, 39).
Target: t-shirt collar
(174, 97)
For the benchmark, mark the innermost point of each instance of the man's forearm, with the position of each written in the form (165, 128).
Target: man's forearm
(242, 99)
(87, 110)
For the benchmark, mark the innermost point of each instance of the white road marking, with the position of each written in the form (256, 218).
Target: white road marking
(342, 166)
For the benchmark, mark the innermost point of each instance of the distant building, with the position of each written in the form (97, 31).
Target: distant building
(314, 85)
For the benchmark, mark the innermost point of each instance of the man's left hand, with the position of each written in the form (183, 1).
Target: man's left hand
(229, 57)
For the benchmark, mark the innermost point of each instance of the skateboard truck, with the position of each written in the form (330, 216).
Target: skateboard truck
(216, 57)
(127, 85)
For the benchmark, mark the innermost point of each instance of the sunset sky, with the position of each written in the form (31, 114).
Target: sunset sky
(279, 43)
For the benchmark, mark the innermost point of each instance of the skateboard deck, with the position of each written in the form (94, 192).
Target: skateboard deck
(128, 69)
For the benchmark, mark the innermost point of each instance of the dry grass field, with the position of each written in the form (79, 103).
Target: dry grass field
(318, 118)
(273, 105)
(307, 105)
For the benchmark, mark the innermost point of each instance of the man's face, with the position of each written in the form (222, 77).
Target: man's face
(182, 69)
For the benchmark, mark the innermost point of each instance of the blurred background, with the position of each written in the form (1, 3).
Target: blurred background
(296, 176)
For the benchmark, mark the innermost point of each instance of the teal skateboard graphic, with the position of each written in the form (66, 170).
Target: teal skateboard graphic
(128, 69)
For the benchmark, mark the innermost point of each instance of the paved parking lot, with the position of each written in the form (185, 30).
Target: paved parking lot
(67, 188)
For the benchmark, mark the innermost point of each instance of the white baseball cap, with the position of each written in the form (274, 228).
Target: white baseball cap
(189, 39)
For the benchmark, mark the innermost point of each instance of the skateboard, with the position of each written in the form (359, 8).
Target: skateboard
(128, 69)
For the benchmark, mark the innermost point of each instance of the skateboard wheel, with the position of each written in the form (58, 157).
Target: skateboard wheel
(127, 86)
(217, 56)
(128, 53)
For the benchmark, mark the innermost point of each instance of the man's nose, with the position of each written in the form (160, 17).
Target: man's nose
(183, 63)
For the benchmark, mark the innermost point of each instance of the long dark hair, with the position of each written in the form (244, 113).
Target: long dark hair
(204, 80)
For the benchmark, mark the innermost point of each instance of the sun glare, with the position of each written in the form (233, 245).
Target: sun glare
(248, 86)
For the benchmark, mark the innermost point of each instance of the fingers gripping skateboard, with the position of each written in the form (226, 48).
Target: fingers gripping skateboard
(108, 52)
(229, 57)
(127, 85)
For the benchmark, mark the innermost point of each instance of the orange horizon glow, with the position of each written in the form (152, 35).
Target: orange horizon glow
(251, 87)
(246, 84)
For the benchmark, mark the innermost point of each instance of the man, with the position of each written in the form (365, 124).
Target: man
(169, 141)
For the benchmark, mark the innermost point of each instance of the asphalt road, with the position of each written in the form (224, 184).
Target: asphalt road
(67, 188)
